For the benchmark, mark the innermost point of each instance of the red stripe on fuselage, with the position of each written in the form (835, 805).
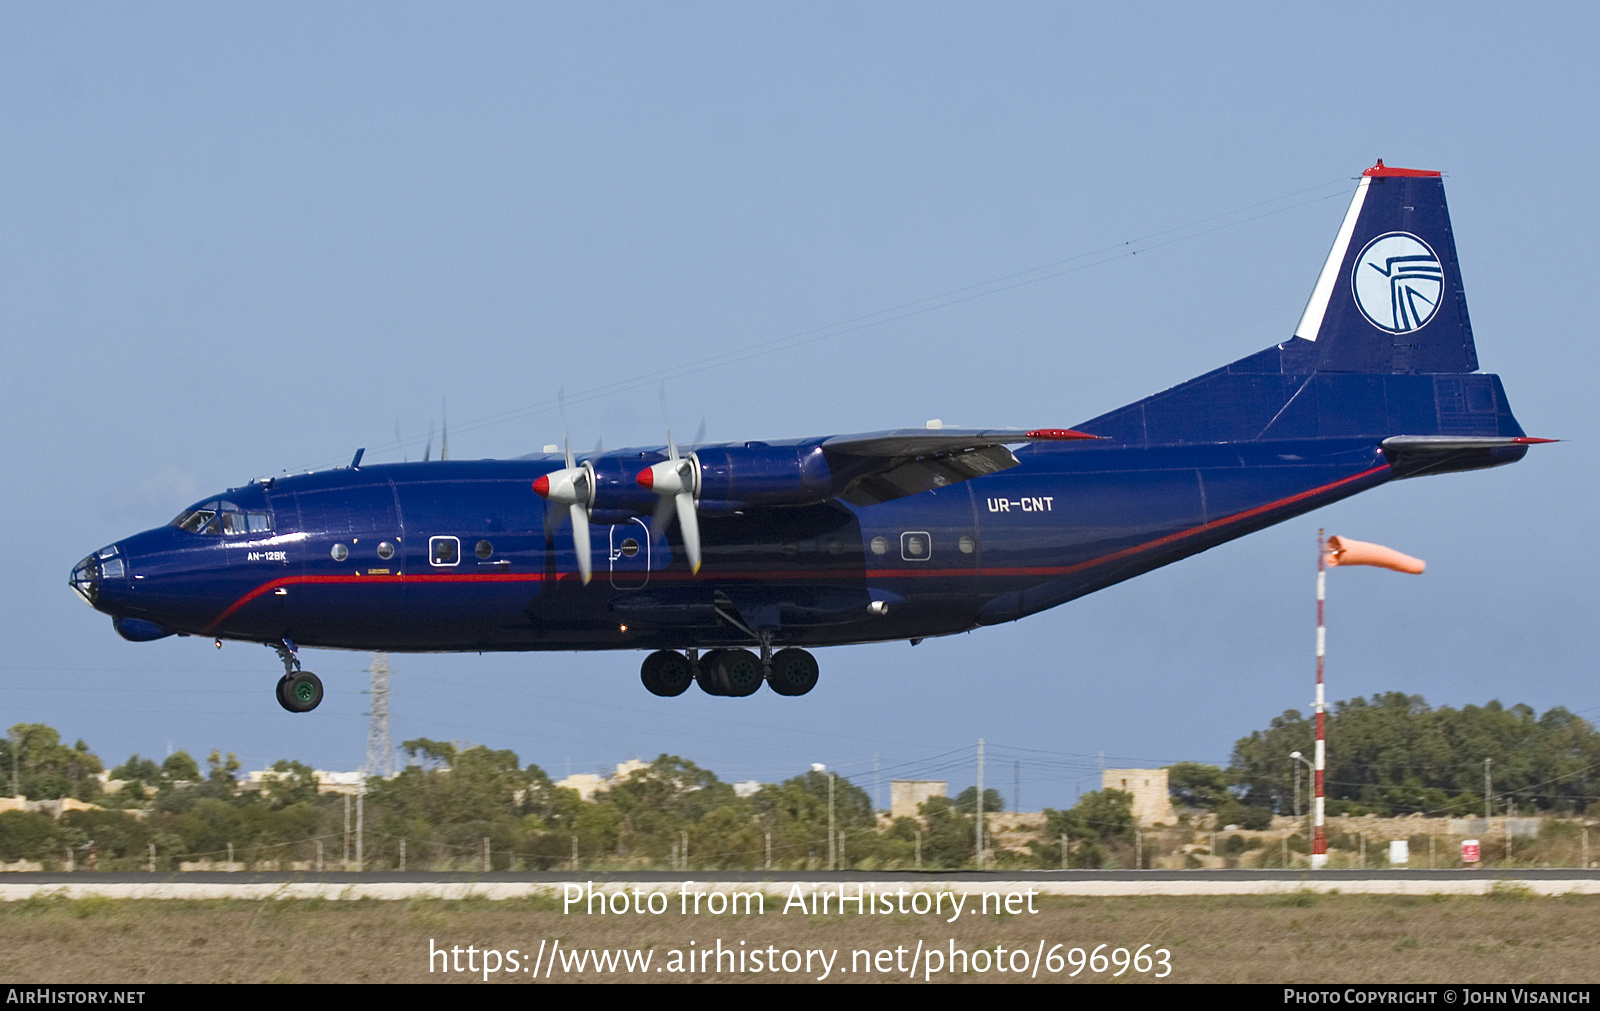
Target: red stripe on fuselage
(431, 577)
(772, 576)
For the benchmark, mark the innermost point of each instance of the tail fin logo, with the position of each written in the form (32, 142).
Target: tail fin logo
(1397, 281)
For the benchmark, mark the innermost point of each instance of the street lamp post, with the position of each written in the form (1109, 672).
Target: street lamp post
(1302, 760)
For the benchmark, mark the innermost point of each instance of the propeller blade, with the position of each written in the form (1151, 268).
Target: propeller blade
(676, 482)
(580, 540)
(699, 436)
(444, 439)
(691, 529)
(566, 436)
(427, 452)
(661, 519)
(666, 419)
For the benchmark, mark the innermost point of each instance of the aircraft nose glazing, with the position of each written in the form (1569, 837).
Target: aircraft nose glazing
(85, 580)
(87, 575)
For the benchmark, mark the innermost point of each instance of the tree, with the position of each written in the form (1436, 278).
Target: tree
(292, 783)
(966, 801)
(46, 769)
(796, 812)
(1194, 784)
(432, 754)
(1100, 819)
(949, 837)
(179, 768)
(1392, 754)
(220, 770)
(138, 770)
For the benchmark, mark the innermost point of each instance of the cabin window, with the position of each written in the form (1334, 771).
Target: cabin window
(966, 544)
(630, 547)
(385, 550)
(483, 549)
(916, 546)
(444, 550)
(880, 546)
(340, 552)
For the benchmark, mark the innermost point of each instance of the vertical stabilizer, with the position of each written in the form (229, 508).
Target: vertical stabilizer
(1389, 298)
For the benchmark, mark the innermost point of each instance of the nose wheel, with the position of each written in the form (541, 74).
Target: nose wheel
(299, 691)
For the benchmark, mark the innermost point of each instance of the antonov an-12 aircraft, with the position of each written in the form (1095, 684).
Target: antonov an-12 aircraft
(730, 563)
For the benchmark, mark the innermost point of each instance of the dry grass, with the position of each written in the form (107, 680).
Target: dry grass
(1509, 937)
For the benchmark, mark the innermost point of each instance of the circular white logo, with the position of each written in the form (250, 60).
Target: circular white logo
(1397, 282)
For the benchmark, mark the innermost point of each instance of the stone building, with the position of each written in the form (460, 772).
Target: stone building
(1152, 804)
(906, 795)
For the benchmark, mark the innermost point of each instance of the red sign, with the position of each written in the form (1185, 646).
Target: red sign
(1470, 853)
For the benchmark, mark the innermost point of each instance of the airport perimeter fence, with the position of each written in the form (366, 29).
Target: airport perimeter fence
(1353, 843)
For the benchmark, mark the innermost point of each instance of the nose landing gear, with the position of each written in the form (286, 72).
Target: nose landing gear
(299, 691)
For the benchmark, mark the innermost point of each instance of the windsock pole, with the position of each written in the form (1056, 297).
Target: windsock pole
(1319, 838)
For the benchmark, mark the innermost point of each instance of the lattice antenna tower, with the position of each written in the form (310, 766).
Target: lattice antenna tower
(380, 750)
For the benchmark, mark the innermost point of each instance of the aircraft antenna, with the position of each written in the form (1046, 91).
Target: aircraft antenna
(380, 751)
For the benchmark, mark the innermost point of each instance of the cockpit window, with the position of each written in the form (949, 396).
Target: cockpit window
(222, 517)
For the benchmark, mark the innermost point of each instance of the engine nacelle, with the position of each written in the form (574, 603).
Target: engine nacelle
(617, 495)
(756, 474)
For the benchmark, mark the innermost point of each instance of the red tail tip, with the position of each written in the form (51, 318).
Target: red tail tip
(1528, 440)
(1382, 171)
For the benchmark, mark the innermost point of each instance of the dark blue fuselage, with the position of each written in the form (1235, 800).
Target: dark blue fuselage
(477, 564)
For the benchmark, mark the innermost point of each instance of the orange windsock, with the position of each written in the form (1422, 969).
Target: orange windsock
(1344, 551)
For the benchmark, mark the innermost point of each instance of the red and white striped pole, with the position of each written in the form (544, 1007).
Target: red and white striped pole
(1319, 838)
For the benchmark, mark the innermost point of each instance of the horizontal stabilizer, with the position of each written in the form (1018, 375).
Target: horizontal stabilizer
(1413, 455)
(1454, 443)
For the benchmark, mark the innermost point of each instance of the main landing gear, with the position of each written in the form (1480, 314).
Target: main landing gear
(729, 672)
(299, 691)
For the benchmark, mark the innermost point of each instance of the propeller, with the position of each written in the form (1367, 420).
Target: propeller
(677, 481)
(572, 487)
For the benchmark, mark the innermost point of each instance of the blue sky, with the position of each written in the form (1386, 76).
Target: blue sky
(236, 239)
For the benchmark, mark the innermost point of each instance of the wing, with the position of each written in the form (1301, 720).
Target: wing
(882, 466)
